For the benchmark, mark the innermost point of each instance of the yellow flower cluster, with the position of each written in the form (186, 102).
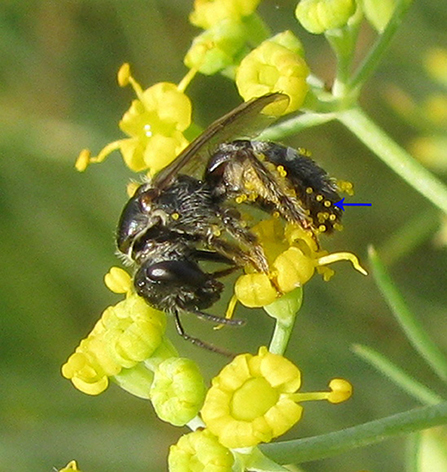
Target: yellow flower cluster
(128, 345)
(229, 27)
(127, 334)
(254, 399)
(294, 255)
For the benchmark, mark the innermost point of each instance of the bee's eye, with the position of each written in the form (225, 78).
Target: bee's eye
(184, 272)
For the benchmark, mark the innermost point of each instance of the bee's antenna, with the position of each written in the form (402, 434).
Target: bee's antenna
(198, 342)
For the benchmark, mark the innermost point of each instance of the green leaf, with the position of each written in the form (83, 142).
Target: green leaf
(410, 324)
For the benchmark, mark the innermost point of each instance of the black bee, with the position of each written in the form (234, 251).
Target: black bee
(189, 212)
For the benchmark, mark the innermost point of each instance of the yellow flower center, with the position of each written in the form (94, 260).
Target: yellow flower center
(253, 399)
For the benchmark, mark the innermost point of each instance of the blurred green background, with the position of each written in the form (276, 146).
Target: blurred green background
(58, 95)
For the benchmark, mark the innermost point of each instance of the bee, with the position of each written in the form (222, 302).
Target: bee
(189, 212)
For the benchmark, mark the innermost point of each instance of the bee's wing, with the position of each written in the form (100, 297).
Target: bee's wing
(245, 121)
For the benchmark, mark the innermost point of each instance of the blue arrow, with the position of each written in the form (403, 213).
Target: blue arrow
(341, 204)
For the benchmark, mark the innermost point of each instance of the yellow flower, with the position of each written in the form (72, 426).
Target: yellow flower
(132, 330)
(255, 290)
(118, 280)
(87, 373)
(318, 16)
(254, 399)
(209, 12)
(177, 391)
(199, 451)
(293, 255)
(70, 467)
(154, 123)
(274, 66)
(127, 334)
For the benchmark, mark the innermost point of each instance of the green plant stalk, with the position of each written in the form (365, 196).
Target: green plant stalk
(331, 444)
(371, 61)
(280, 338)
(343, 42)
(295, 125)
(412, 327)
(412, 451)
(402, 163)
(397, 375)
(284, 310)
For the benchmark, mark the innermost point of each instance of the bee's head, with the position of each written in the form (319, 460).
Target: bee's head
(136, 218)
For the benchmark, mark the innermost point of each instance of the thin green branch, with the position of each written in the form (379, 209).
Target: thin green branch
(328, 445)
(412, 327)
(371, 61)
(284, 310)
(295, 125)
(412, 451)
(402, 163)
(397, 375)
(280, 338)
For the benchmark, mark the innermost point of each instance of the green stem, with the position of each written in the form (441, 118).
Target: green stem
(356, 120)
(343, 42)
(371, 61)
(331, 444)
(295, 125)
(397, 375)
(412, 451)
(284, 310)
(280, 338)
(412, 327)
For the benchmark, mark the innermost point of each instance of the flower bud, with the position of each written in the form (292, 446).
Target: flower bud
(318, 16)
(178, 390)
(273, 67)
(199, 451)
(255, 290)
(118, 280)
(209, 12)
(294, 269)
